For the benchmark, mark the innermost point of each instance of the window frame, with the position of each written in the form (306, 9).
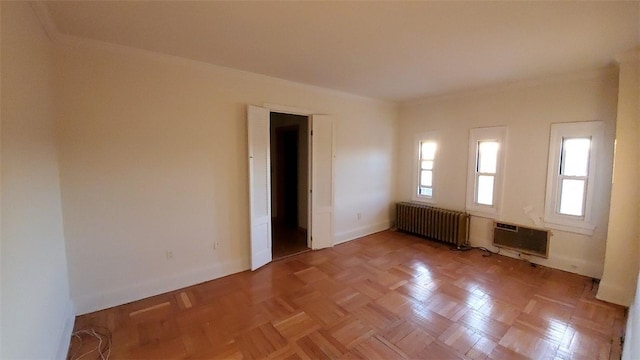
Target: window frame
(477, 135)
(552, 217)
(428, 136)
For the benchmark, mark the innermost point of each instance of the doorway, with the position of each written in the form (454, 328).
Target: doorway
(319, 180)
(289, 183)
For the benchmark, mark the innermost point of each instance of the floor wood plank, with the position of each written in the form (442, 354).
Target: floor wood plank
(387, 296)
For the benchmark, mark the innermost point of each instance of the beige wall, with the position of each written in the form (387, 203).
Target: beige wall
(527, 109)
(37, 315)
(623, 239)
(154, 159)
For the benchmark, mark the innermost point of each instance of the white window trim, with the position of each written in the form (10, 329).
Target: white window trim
(499, 134)
(424, 137)
(581, 225)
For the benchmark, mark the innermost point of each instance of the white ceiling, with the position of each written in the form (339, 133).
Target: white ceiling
(388, 50)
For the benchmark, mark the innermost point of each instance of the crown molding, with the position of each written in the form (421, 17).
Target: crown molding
(43, 15)
(77, 41)
(610, 70)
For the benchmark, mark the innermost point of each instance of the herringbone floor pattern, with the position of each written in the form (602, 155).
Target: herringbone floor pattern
(385, 296)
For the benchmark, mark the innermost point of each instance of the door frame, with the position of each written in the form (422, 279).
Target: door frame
(308, 114)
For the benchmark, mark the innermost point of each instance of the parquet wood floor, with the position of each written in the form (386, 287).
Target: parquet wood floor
(385, 296)
(287, 240)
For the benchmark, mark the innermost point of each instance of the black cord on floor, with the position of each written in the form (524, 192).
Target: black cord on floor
(486, 251)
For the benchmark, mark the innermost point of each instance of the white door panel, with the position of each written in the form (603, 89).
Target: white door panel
(259, 185)
(321, 181)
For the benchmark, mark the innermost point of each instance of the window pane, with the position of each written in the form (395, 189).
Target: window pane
(426, 178)
(485, 190)
(575, 156)
(427, 165)
(572, 197)
(428, 151)
(488, 156)
(426, 191)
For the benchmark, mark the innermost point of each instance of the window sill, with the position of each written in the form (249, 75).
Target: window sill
(430, 201)
(584, 229)
(483, 214)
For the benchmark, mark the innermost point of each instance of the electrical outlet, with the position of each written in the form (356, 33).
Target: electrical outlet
(169, 254)
(216, 245)
(359, 215)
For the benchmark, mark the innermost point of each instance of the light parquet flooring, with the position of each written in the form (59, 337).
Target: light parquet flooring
(385, 296)
(287, 240)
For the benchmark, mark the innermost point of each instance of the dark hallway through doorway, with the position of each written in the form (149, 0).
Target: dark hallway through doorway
(289, 184)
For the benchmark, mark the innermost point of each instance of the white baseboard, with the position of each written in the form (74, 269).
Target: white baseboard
(572, 265)
(67, 328)
(345, 236)
(115, 297)
(107, 299)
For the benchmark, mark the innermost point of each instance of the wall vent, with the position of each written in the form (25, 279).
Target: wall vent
(523, 239)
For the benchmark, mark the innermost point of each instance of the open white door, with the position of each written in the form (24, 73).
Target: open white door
(259, 185)
(321, 181)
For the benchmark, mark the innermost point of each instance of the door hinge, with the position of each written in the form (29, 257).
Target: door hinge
(311, 132)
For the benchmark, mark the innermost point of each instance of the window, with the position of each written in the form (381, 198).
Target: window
(574, 168)
(486, 167)
(485, 171)
(427, 157)
(424, 186)
(570, 175)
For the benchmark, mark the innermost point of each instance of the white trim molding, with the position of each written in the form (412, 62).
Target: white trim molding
(349, 235)
(428, 136)
(477, 135)
(552, 217)
(110, 298)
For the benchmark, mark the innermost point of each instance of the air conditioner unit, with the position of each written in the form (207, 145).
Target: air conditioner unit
(526, 240)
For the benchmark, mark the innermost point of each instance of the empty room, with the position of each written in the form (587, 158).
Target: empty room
(319, 180)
